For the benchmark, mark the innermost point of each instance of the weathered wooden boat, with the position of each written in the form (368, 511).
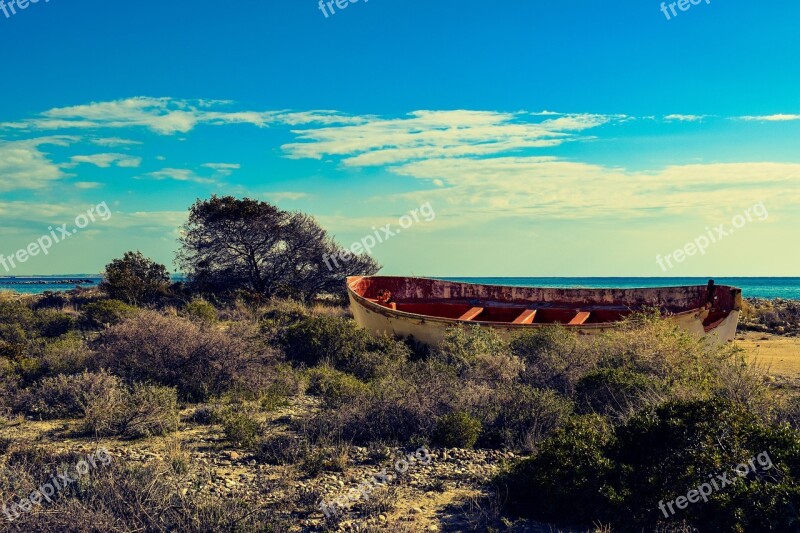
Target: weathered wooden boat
(424, 308)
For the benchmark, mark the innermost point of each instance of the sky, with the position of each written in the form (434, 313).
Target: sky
(533, 138)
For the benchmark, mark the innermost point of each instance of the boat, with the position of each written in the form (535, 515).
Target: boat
(423, 309)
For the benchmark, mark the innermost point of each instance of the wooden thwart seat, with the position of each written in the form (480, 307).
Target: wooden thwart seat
(580, 318)
(471, 314)
(526, 317)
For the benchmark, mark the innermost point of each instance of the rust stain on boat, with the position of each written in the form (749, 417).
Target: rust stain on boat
(424, 308)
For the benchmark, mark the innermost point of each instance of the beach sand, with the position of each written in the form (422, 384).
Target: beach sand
(779, 354)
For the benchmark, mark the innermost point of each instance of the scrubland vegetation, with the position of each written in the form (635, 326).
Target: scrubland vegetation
(235, 408)
(601, 429)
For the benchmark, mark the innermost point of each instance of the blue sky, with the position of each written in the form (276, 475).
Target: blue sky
(550, 138)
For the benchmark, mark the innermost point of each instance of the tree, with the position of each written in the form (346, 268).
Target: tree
(230, 244)
(135, 279)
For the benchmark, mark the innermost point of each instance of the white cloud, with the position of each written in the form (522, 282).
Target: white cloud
(23, 165)
(178, 174)
(167, 116)
(88, 185)
(278, 197)
(112, 142)
(105, 160)
(771, 118)
(685, 118)
(223, 169)
(552, 188)
(436, 134)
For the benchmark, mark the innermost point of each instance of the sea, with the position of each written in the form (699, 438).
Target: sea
(771, 288)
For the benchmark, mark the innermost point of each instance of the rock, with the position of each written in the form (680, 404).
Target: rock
(415, 510)
(234, 456)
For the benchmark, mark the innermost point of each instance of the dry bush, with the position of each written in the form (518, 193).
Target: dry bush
(142, 411)
(67, 355)
(199, 361)
(122, 497)
(65, 396)
(554, 357)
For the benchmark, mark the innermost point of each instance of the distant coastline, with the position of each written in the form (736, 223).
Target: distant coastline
(755, 287)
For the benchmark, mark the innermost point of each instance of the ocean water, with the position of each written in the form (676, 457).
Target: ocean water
(751, 287)
(770, 288)
(40, 284)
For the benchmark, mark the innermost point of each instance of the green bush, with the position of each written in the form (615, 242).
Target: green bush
(457, 430)
(555, 357)
(342, 345)
(98, 315)
(135, 279)
(337, 388)
(479, 354)
(621, 475)
(241, 428)
(617, 392)
(66, 355)
(52, 324)
(200, 310)
(526, 416)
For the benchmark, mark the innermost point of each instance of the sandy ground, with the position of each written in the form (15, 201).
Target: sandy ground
(779, 355)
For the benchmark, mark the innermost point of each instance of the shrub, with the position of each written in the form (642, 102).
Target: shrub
(142, 411)
(554, 357)
(478, 354)
(337, 388)
(175, 352)
(65, 396)
(620, 475)
(528, 415)
(124, 496)
(343, 345)
(617, 392)
(98, 315)
(67, 355)
(457, 430)
(241, 428)
(53, 324)
(135, 279)
(281, 449)
(571, 467)
(201, 311)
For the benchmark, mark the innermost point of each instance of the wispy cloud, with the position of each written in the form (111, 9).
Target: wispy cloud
(435, 134)
(166, 116)
(179, 174)
(771, 118)
(223, 169)
(23, 165)
(280, 196)
(105, 160)
(113, 142)
(685, 118)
